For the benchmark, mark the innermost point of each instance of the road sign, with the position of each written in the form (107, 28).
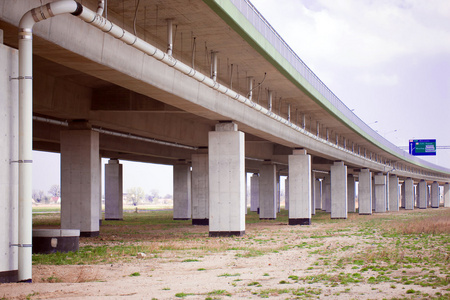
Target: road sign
(422, 147)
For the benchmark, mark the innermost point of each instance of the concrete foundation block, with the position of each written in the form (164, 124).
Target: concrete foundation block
(47, 241)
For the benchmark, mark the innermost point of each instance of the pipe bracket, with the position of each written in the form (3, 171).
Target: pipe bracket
(20, 78)
(21, 245)
(20, 161)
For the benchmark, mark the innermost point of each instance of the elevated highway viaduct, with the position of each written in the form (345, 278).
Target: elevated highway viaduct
(206, 86)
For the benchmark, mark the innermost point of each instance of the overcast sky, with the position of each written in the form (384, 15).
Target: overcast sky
(388, 60)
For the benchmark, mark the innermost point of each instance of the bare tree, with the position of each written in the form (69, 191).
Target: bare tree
(135, 195)
(55, 191)
(39, 196)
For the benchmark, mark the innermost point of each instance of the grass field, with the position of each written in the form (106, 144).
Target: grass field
(408, 252)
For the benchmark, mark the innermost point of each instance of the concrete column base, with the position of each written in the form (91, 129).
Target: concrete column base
(9, 276)
(226, 233)
(302, 221)
(201, 222)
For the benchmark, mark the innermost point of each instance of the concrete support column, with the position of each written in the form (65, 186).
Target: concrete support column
(9, 174)
(246, 194)
(374, 203)
(278, 192)
(200, 189)
(428, 196)
(435, 195)
(318, 194)
(402, 204)
(393, 193)
(226, 181)
(365, 192)
(254, 192)
(326, 196)
(313, 193)
(100, 204)
(268, 192)
(286, 193)
(447, 195)
(380, 193)
(182, 192)
(339, 191)
(422, 193)
(409, 193)
(300, 188)
(351, 194)
(80, 180)
(113, 190)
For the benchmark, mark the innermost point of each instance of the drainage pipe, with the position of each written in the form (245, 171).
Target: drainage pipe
(269, 100)
(169, 36)
(26, 127)
(118, 134)
(214, 65)
(101, 7)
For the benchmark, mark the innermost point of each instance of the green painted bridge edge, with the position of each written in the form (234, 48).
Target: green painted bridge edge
(239, 23)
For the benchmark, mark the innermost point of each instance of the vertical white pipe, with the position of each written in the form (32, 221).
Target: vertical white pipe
(289, 112)
(250, 88)
(101, 7)
(214, 65)
(169, 36)
(25, 153)
(193, 53)
(269, 104)
(26, 127)
(231, 76)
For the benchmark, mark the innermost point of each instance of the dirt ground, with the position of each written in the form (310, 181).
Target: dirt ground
(265, 263)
